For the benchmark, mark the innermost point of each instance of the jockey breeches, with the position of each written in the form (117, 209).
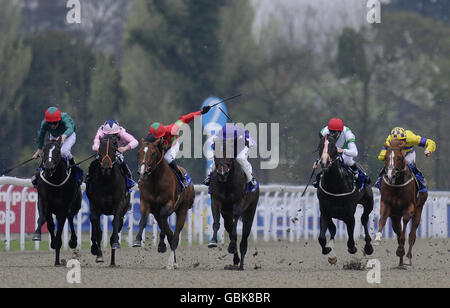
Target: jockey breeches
(66, 148)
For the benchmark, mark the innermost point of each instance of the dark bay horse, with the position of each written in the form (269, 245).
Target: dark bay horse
(58, 194)
(229, 197)
(160, 195)
(107, 194)
(339, 196)
(399, 198)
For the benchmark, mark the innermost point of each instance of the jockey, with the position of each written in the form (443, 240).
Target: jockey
(244, 143)
(411, 140)
(58, 124)
(169, 139)
(346, 145)
(126, 142)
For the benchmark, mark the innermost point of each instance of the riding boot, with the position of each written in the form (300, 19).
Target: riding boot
(208, 179)
(35, 176)
(420, 178)
(78, 171)
(380, 177)
(318, 175)
(252, 185)
(126, 171)
(181, 176)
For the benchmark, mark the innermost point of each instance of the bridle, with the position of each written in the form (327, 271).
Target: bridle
(42, 173)
(332, 161)
(398, 171)
(145, 168)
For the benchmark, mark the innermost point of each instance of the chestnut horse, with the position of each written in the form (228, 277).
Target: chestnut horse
(399, 198)
(160, 194)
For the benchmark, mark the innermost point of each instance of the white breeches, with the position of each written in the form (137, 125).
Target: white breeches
(66, 148)
(348, 160)
(411, 157)
(172, 153)
(242, 159)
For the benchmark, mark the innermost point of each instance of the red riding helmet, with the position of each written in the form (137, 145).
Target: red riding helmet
(336, 124)
(157, 129)
(52, 114)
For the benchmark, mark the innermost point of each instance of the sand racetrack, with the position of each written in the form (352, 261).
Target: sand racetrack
(268, 265)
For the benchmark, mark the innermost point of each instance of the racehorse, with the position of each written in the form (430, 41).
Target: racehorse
(107, 194)
(338, 196)
(161, 195)
(399, 198)
(58, 194)
(229, 197)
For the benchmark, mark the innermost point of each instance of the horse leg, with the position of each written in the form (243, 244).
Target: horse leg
(215, 210)
(396, 226)
(229, 223)
(368, 207)
(114, 241)
(322, 235)
(332, 258)
(142, 225)
(406, 218)
(57, 243)
(350, 222)
(181, 218)
(96, 236)
(163, 226)
(51, 229)
(412, 235)
(385, 212)
(247, 220)
(73, 235)
(40, 222)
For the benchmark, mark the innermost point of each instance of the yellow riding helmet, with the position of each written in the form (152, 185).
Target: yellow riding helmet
(398, 133)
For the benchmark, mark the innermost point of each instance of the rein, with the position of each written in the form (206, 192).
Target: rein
(56, 185)
(107, 153)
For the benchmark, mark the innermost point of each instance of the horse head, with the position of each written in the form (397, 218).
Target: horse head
(327, 151)
(395, 160)
(107, 152)
(51, 156)
(150, 156)
(224, 167)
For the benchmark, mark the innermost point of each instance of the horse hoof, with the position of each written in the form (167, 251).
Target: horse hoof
(73, 244)
(230, 267)
(376, 243)
(368, 250)
(332, 260)
(400, 253)
(36, 237)
(232, 248)
(99, 260)
(115, 246)
(113, 266)
(352, 250)
(162, 248)
(170, 267)
(212, 244)
(326, 250)
(137, 244)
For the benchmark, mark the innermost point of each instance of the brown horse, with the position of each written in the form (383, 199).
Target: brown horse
(399, 198)
(160, 195)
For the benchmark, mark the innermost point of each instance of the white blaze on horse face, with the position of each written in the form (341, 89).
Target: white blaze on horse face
(325, 155)
(391, 165)
(50, 154)
(143, 162)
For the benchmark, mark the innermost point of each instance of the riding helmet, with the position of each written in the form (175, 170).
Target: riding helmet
(336, 124)
(398, 133)
(157, 130)
(52, 114)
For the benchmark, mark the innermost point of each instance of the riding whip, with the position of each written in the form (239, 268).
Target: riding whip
(309, 182)
(92, 156)
(17, 166)
(226, 99)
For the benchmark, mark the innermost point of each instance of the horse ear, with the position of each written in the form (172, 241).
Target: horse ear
(157, 142)
(386, 145)
(142, 140)
(402, 144)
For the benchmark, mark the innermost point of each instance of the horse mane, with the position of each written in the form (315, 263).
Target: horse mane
(396, 143)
